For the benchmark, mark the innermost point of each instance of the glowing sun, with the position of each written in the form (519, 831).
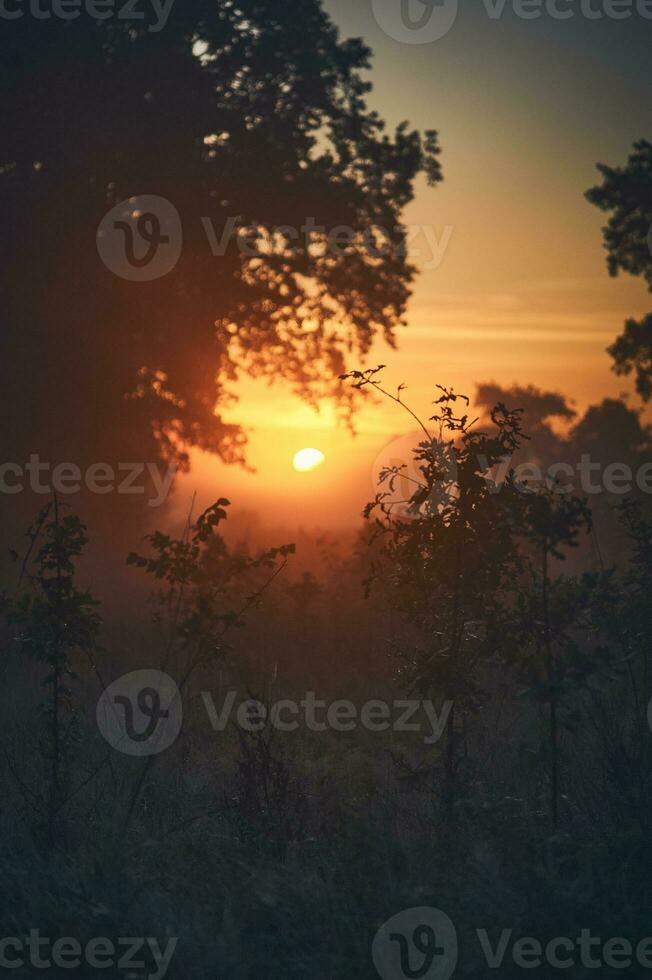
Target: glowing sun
(307, 459)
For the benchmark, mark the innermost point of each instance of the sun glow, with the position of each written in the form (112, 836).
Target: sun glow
(307, 459)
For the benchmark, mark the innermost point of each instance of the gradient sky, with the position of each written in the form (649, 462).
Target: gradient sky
(524, 109)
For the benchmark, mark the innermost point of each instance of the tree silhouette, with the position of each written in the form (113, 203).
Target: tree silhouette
(539, 409)
(52, 620)
(244, 115)
(551, 523)
(626, 192)
(452, 562)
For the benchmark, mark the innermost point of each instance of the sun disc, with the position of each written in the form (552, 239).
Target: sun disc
(307, 459)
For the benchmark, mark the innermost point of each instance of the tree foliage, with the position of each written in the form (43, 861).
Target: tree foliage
(253, 113)
(626, 194)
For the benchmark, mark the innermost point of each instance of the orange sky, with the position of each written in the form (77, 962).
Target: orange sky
(524, 111)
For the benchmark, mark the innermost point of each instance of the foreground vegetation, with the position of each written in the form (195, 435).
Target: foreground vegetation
(281, 853)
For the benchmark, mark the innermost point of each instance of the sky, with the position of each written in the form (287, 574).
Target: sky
(516, 288)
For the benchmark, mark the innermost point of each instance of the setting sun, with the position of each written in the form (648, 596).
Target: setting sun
(307, 459)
